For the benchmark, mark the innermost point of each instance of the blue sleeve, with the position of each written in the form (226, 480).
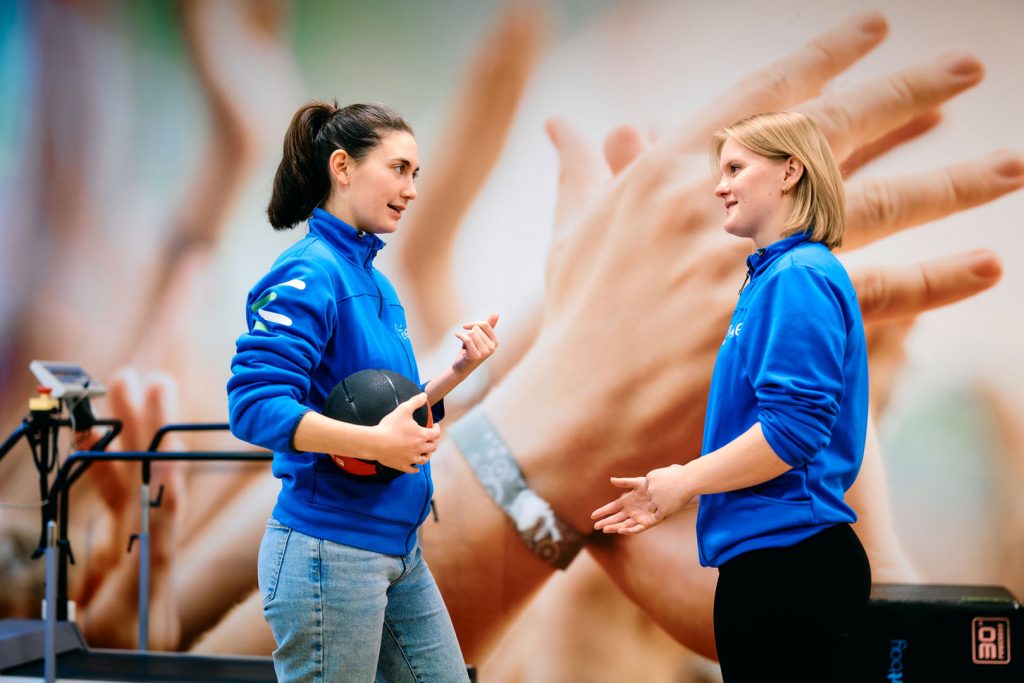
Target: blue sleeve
(436, 410)
(291, 315)
(794, 358)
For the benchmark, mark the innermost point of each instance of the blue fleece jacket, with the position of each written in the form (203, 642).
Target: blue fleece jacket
(320, 314)
(793, 359)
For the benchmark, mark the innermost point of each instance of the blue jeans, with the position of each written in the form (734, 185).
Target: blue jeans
(340, 613)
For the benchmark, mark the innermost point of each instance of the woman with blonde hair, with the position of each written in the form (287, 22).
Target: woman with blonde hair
(786, 419)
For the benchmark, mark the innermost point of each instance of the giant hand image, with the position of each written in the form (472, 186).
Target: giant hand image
(605, 368)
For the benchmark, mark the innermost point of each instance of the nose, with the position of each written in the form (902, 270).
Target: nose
(409, 191)
(722, 188)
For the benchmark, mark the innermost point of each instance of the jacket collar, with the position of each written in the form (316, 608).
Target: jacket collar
(356, 245)
(759, 261)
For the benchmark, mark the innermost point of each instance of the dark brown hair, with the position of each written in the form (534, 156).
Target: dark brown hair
(302, 181)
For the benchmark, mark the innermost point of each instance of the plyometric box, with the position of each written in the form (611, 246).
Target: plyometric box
(912, 633)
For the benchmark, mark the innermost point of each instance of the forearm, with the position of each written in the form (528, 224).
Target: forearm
(567, 453)
(638, 565)
(319, 434)
(559, 451)
(747, 460)
(484, 570)
(441, 386)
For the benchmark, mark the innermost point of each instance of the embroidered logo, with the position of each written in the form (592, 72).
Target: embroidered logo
(733, 331)
(259, 307)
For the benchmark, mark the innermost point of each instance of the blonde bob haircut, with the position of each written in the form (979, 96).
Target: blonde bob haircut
(819, 198)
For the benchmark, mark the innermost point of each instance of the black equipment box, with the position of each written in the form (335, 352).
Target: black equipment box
(919, 633)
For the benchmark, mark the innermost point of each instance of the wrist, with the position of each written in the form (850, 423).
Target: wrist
(540, 528)
(462, 370)
(553, 446)
(362, 442)
(683, 483)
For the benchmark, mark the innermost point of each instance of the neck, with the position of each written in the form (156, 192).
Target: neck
(339, 209)
(765, 238)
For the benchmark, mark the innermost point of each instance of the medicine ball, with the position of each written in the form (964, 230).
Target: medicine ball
(364, 398)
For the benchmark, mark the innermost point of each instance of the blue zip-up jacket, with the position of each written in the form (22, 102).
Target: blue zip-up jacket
(320, 314)
(794, 359)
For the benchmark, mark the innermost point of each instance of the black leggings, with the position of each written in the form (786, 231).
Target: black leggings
(783, 614)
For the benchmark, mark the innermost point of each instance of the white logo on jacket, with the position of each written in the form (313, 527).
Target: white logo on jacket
(733, 331)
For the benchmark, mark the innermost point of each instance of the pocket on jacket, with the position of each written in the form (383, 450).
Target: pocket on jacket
(402, 499)
(789, 488)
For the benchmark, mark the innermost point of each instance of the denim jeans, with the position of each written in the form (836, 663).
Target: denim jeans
(340, 613)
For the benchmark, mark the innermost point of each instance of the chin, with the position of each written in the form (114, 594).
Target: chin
(736, 231)
(384, 228)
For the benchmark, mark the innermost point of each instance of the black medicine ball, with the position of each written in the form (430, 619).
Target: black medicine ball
(364, 398)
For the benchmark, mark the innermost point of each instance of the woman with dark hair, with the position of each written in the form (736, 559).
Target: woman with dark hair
(786, 421)
(345, 589)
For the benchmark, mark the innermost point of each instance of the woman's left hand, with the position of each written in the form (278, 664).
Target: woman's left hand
(651, 499)
(478, 343)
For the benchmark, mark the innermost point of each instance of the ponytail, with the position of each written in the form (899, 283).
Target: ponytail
(302, 181)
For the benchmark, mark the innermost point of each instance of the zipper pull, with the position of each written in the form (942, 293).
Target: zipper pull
(750, 270)
(745, 281)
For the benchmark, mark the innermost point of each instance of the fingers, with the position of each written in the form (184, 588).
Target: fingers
(486, 328)
(789, 81)
(428, 436)
(578, 175)
(607, 518)
(159, 403)
(630, 528)
(887, 292)
(476, 348)
(469, 344)
(123, 397)
(879, 208)
(473, 138)
(627, 527)
(865, 113)
(630, 482)
(612, 508)
(417, 401)
(622, 146)
(887, 354)
(866, 153)
(480, 341)
(421, 460)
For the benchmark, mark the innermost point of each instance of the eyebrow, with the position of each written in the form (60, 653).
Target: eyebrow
(406, 162)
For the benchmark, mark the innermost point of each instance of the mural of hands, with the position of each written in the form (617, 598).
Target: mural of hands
(641, 275)
(603, 369)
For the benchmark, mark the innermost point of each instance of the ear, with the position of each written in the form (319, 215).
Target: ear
(340, 166)
(794, 170)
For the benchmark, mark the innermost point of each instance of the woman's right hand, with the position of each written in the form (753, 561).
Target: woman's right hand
(399, 442)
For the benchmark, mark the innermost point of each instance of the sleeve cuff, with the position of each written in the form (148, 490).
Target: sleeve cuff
(295, 427)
